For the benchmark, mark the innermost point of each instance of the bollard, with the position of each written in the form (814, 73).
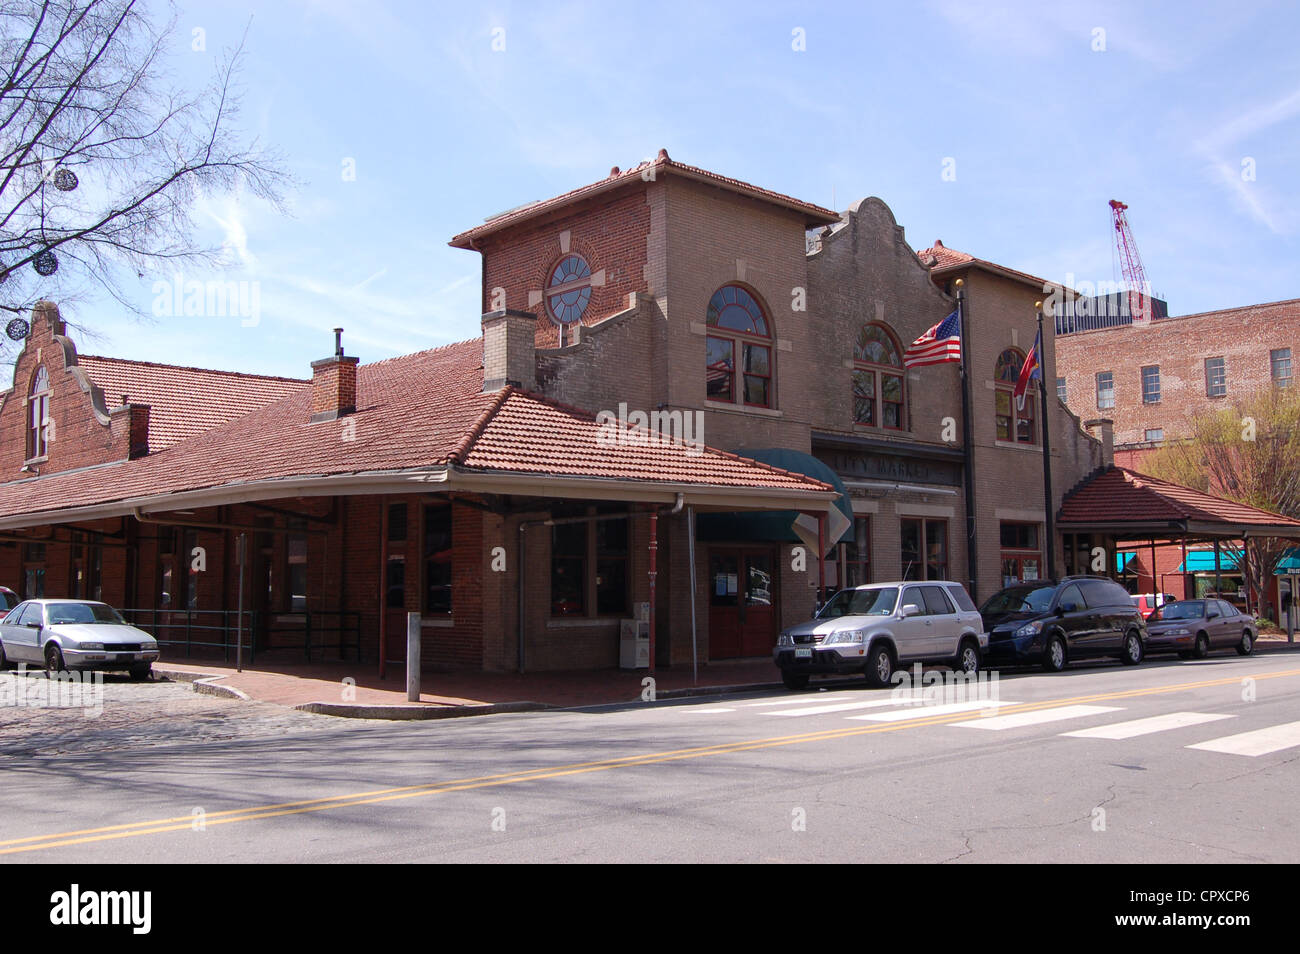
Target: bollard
(412, 657)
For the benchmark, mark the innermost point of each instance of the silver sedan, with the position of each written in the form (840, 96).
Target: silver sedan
(75, 634)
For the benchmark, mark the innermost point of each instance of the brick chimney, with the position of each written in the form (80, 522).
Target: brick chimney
(509, 350)
(1103, 428)
(333, 384)
(129, 425)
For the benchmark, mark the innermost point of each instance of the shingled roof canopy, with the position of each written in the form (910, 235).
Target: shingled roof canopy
(423, 424)
(1121, 501)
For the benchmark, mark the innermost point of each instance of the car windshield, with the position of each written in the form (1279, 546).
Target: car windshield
(1020, 599)
(873, 602)
(82, 613)
(1184, 609)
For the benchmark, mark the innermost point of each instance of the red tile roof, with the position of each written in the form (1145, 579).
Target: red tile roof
(939, 255)
(1118, 495)
(418, 411)
(813, 214)
(940, 258)
(184, 401)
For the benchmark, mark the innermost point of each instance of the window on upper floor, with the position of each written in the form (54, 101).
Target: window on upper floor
(1216, 377)
(1014, 420)
(1151, 384)
(738, 362)
(878, 384)
(1060, 389)
(38, 415)
(1105, 390)
(1280, 367)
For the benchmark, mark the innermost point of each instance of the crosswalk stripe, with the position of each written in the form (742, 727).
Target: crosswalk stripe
(1136, 727)
(1019, 719)
(846, 706)
(1259, 742)
(913, 712)
(803, 699)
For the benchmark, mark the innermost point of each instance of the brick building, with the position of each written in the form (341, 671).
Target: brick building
(477, 484)
(1152, 377)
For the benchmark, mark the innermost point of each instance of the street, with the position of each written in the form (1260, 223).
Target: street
(1170, 761)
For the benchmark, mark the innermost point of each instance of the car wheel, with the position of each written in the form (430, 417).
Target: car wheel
(141, 673)
(1132, 649)
(1247, 644)
(1202, 646)
(1054, 657)
(53, 660)
(880, 667)
(968, 658)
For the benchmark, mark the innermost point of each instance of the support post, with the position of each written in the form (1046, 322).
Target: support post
(412, 657)
(821, 556)
(241, 547)
(690, 540)
(654, 571)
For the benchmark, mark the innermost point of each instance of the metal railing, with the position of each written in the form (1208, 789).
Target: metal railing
(314, 631)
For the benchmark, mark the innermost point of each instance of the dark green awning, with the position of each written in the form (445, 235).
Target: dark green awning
(775, 526)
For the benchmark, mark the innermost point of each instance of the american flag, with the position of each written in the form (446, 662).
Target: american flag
(941, 343)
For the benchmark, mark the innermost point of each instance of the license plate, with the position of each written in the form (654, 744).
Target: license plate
(803, 653)
(125, 657)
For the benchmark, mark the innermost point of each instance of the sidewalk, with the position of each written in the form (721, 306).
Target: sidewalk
(321, 687)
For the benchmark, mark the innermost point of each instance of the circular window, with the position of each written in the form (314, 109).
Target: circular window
(568, 290)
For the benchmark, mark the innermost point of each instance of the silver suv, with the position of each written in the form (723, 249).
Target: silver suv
(877, 627)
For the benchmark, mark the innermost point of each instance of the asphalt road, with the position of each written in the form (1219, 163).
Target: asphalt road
(844, 774)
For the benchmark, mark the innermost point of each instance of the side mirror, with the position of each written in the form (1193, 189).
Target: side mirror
(911, 609)
(1212, 614)
(1067, 607)
(32, 625)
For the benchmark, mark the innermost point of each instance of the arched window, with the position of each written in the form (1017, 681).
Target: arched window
(38, 415)
(878, 399)
(1015, 425)
(739, 341)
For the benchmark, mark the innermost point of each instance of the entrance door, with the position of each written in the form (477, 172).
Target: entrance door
(742, 602)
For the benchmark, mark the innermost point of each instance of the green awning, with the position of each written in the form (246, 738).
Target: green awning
(775, 526)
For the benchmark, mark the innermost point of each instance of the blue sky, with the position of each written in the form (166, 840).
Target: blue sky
(444, 131)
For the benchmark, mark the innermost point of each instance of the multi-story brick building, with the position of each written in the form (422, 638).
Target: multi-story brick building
(1152, 377)
(463, 483)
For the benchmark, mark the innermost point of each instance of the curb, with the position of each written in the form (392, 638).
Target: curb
(204, 685)
(348, 710)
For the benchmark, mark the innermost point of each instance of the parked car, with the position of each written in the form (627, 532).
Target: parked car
(8, 600)
(874, 628)
(1053, 622)
(75, 634)
(1148, 603)
(1193, 628)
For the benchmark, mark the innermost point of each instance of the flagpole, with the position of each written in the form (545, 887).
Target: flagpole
(968, 442)
(1048, 508)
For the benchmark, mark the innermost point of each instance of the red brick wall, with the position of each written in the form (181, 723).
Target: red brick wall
(610, 233)
(79, 437)
(1243, 337)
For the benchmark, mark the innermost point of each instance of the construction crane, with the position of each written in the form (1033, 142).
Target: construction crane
(1139, 294)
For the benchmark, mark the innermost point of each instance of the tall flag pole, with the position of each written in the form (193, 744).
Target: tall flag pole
(1048, 508)
(968, 443)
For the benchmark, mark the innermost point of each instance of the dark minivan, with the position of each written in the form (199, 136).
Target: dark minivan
(1052, 623)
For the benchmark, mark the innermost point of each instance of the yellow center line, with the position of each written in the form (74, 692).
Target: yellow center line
(376, 796)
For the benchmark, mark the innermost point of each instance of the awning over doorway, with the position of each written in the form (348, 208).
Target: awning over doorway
(1202, 561)
(779, 525)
